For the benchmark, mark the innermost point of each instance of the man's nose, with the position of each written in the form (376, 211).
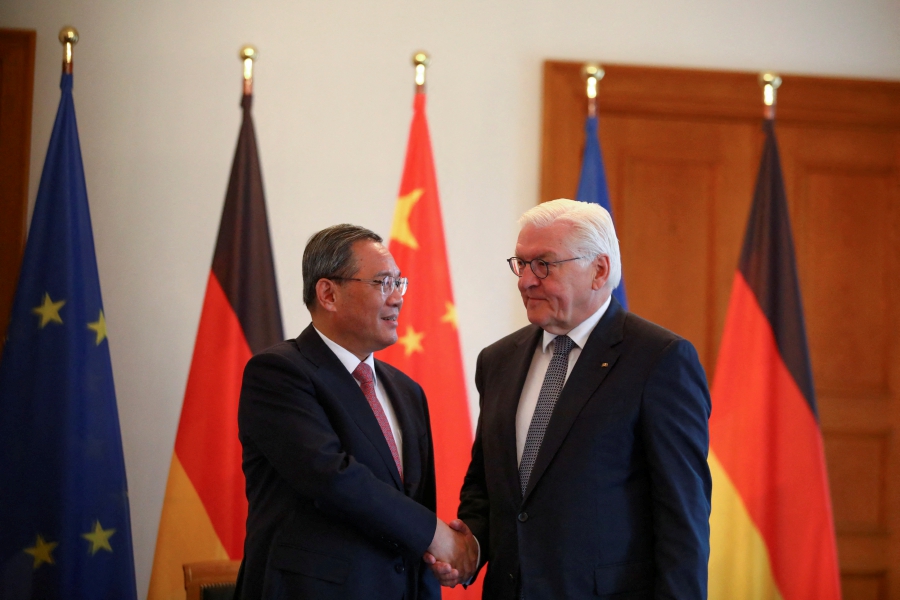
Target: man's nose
(395, 298)
(528, 278)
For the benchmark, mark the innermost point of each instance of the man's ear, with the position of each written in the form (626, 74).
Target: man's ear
(326, 295)
(601, 272)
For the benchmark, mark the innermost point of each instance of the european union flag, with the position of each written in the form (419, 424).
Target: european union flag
(592, 184)
(65, 530)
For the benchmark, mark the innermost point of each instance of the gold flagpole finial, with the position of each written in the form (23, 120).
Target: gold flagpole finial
(420, 60)
(592, 73)
(770, 82)
(247, 55)
(68, 37)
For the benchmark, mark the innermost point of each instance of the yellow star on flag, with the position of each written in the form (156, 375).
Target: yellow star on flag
(450, 315)
(412, 341)
(99, 538)
(400, 231)
(41, 551)
(100, 327)
(48, 311)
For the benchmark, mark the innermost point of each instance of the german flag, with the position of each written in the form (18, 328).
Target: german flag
(205, 508)
(772, 528)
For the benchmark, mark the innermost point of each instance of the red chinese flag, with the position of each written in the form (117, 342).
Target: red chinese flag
(205, 508)
(772, 534)
(428, 349)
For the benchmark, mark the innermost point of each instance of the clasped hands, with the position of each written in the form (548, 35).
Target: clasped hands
(453, 553)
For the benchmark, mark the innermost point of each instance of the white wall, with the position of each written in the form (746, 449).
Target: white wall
(157, 90)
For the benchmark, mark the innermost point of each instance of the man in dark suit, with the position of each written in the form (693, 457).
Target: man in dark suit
(588, 475)
(337, 449)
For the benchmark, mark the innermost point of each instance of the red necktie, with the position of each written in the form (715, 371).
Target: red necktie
(363, 374)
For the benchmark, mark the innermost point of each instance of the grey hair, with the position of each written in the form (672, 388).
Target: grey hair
(593, 230)
(329, 254)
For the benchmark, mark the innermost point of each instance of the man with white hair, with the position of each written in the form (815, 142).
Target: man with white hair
(588, 473)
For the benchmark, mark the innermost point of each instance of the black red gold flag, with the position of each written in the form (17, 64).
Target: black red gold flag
(205, 508)
(772, 529)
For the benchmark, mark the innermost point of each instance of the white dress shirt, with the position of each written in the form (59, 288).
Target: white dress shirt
(539, 363)
(349, 360)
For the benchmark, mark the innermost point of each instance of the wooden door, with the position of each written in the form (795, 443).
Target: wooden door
(16, 88)
(682, 150)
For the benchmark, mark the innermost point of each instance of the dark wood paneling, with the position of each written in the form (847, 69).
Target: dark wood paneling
(858, 474)
(16, 90)
(865, 587)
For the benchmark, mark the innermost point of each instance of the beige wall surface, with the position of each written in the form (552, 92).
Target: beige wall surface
(157, 90)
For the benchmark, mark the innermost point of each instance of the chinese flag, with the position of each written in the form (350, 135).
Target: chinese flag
(772, 534)
(205, 509)
(428, 349)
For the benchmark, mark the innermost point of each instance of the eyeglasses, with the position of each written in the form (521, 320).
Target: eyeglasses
(388, 284)
(540, 268)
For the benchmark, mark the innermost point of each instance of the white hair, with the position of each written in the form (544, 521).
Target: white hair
(593, 230)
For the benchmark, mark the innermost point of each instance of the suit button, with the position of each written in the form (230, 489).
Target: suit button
(523, 516)
(399, 567)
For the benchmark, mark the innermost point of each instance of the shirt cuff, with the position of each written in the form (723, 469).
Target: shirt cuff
(477, 563)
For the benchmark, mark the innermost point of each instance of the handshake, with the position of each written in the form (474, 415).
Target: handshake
(453, 553)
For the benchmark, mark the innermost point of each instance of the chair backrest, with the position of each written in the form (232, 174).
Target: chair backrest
(211, 580)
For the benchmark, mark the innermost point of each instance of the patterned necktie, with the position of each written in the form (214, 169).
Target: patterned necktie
(550, 390)
(363, 374)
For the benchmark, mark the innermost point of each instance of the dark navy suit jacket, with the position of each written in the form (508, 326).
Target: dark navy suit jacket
(618, 500)
(329, 516)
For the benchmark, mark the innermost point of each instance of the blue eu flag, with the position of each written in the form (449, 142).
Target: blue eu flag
(592, 184)
(65, 530)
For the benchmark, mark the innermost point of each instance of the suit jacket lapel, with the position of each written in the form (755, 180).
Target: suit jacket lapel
(340, 383)
(581, 385)
(412, 453)
(515, 371)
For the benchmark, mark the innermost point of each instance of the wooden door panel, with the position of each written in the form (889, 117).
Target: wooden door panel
(16, 89)
(677, 221)
(843, 223)
(678, 201)
(843, 182)
(857, 464)
(864, 587)
(682, 149)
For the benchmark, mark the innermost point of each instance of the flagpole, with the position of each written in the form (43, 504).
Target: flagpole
(592, 73)
(248, 54)
(770, 82)
(68, 37)
(420, 60)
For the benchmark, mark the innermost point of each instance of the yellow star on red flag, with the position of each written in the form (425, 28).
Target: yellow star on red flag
(412, 341)
(48, 311)
(400, 231)
(42, 551)
(450, 315)
(99, 538)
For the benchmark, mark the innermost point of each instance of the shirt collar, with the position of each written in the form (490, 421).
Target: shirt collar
(581, 332)
(347, 358)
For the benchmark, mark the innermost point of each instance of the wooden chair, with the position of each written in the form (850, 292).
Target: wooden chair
(211, 580)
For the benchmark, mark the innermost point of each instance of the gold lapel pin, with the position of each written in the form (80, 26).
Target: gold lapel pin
(605, 365)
